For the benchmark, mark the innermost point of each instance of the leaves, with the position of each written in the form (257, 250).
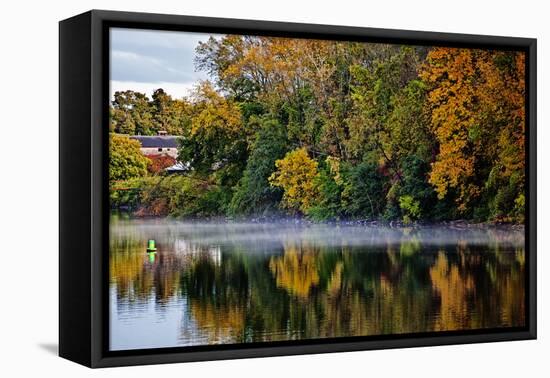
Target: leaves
(296, 174)
(371, 125)
(125, 159)
(477, 101)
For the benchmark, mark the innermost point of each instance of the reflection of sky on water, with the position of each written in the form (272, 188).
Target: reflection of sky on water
(247, 282)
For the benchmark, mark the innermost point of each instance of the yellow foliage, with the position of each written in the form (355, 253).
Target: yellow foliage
(296, 271)
(213, 111)
(453, 288)
(223, 323)
(334, 166)
(296, 174)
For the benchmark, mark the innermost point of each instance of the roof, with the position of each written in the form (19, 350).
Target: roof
(178, 167)
(156, 141)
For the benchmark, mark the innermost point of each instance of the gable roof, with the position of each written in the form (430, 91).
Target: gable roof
(156, 141)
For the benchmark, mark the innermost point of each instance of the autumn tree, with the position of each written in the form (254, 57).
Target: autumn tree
(296, 174)
(477, 104)
(375, 130)
(304, 82)
(158, 163)
(125, 158)
(215, 139)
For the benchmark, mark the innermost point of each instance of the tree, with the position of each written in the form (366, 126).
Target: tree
(476, 99)
(373, 130)
(364, 191)
(306, 82)
(330, 184)
(125, 158)
(215, 139)
(253, 194)
(158, 163)
(296, 174)
(408, 124)
(375, 89)
(171, 116)
(132, 113)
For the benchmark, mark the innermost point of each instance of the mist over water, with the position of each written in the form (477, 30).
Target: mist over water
(319, 234)
(217, 282)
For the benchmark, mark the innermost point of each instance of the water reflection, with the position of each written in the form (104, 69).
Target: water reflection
(237, 283)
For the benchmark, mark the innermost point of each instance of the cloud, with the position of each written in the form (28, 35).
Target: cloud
(152, 56)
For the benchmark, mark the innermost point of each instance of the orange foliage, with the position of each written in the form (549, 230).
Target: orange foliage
(159, 163)
(453, 288)
(223, 323)
(477, 108)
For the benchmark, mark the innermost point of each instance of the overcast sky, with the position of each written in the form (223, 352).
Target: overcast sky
(145, 60)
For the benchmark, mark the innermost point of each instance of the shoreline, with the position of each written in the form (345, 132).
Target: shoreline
(303, 221)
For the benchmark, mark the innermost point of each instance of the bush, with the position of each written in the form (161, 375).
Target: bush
(411, 197)
(178, 196)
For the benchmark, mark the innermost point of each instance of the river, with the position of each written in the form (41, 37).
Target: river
(225, 283)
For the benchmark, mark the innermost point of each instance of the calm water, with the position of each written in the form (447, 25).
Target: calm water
(236, 283)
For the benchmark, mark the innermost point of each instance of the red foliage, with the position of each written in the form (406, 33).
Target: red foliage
(158, 163)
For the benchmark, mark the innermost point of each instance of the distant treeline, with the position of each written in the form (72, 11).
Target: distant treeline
(334, 130)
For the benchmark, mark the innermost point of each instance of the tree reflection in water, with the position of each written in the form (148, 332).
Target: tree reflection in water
(285, 288)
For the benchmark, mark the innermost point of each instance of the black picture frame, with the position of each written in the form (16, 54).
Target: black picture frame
(83, 194)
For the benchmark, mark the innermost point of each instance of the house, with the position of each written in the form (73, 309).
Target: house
(158, 144)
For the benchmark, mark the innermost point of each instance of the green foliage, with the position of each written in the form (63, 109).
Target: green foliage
(330, 187)
(125, 158)
(126, 194)
(170, 116)
(178, 196)
(216, 138)
(336, 130)
(385, 100)
(506, 199)
(364, 191)
(414, 183)
(254, 194)
(410, 207)
(133, 113)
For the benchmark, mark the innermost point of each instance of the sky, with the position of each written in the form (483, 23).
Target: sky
(145, 60)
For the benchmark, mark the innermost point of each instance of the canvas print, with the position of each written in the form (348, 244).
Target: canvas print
(267, 189)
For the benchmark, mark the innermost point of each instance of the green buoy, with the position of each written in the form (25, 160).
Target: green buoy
(151, 246)
(152, 256)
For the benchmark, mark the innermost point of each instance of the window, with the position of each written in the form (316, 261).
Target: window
(160, 149)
